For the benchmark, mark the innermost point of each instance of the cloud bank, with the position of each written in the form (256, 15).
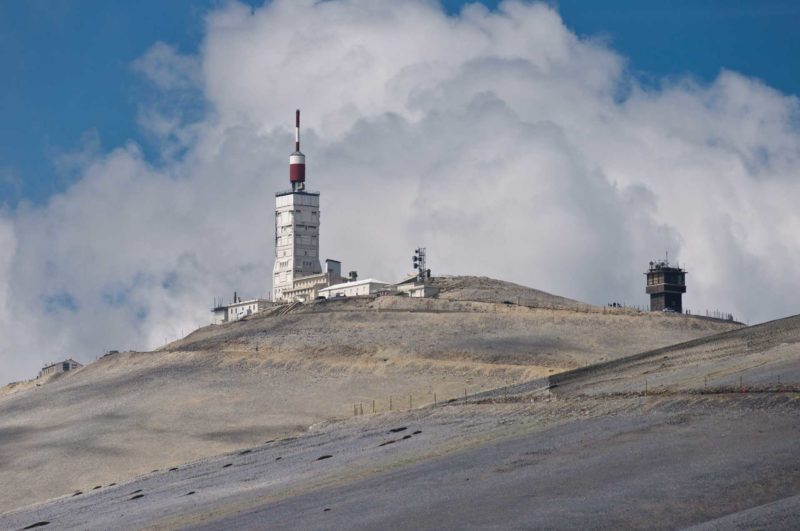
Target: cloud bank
(501, 141)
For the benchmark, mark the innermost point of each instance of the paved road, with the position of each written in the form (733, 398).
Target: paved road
(656, 463)
(604, 473)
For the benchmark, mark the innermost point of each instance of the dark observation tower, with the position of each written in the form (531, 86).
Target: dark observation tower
(666, 285)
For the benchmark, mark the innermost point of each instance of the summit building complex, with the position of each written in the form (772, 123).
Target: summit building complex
(296, 226)
(297, 273)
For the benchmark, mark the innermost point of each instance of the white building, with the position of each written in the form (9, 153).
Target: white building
(62, 366)
(368, 286)
(307, 288)
(297, 274)
(413, 287)
(238, 309)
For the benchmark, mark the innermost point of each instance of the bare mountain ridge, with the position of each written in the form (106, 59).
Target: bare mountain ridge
(485, 289)
(502, 323)
(275, 374)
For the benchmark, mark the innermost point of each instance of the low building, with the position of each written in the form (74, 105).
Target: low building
(62, 366)
(238, 309)
(308, 287)
(414, 287)
(411, 287)
(417, 290)
(368, 286)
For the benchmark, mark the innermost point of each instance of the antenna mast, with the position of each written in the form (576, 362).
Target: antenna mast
(297, 130)
(419, 264)
(297, 161)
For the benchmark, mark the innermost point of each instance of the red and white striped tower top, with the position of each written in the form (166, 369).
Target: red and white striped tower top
(297, 161)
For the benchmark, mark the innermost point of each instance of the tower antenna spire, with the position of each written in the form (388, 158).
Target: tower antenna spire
(297, 130)
(297, 161)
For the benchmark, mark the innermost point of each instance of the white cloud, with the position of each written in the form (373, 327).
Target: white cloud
(169, 69)
(500, 140)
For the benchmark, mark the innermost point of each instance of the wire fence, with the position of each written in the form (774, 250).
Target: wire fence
(408, 402)
(541, 387)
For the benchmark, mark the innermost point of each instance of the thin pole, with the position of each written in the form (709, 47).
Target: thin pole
(297, 130)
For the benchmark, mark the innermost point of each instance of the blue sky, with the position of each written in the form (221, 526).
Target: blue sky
(66, 63)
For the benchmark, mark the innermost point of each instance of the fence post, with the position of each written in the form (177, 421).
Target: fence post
(434, 399)
(373, 406)
(390, 402)
(410, 402)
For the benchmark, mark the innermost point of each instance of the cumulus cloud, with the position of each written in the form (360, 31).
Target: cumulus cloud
(498, 139)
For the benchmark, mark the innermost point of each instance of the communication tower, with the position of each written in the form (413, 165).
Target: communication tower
(418, 263)
(297, 218)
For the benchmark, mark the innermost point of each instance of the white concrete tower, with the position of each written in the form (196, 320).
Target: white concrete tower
(296, 226)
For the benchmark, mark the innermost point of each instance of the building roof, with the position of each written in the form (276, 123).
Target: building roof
(298, 192)
(355, 283)
(70, 360)
(664, 265)
(234, 304)
(308, 278)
